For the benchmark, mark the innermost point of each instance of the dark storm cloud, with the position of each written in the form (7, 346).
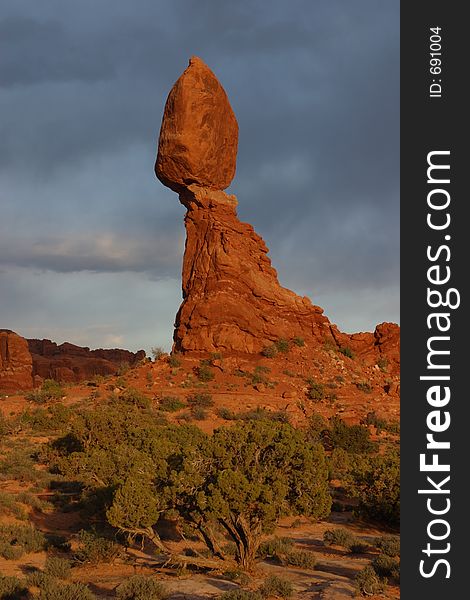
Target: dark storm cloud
(314, 85)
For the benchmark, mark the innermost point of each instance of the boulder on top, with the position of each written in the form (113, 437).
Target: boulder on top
(199, 133)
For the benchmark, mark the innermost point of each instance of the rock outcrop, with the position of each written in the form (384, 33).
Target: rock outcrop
(16, 364)
(232, 299)
(72, 364)
(199, 133)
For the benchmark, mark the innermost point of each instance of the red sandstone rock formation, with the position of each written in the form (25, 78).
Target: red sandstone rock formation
(15, 363)
(232, 299)
(69, 363)
(199, 133)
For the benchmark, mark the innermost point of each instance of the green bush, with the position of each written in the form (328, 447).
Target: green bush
(12, 588)
(282, 345)
(389, 545)
(339, 537)
(174, 360)
(8, 505)
(375, 481)
(238, 576)
(22, 538)
(269, 351)
(359, 547)
(300, 558)
(364, 386)
(346, 351)
(276, 586)
(275, 547)
(352, 438)
(140, 587)
(95, 549)
(369, 583)
(49, 391)
(316, 391)
(170, 404)
(225, 413)
(299, 341)
(200, 400)
(57, 567)
(386, 566)
(198, 413)
(205, 373)
(382, 363)
(135, 398)
(72, 591)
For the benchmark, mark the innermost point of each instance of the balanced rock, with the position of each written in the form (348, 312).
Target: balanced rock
(232, 300)
(199, 133)
(16, 365)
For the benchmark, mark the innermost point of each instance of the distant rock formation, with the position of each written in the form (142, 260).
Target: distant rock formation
(26, 363)
(232, 299)
(16, 364)
(72, 364)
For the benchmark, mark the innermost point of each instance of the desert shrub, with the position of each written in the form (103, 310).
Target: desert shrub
(170, 404)
(369, 583)
(22, 538)
(346, 350)
(275, 547)
(52, 418)
(174, 360)
(95, 549)
(9, 552)
(269, 351)
(316, 391)
(299, 341)
(198, 413)
(123, 369)
(18, 464)
(241, 595)
(12, 588)
(49, 391)
(359, 546)
(200, 400)
(57, 567)
(157, 352)
(375, 481)
(364, 386)
(33, 501)
(282, 345)
(261, 414)
(339, 463)
(39, 579)
(9, 506)
(140, 587)
(300, 558)
(225, 413)
(52, 590)
(386, 566)
(352, 438)
(205, 373)
(382, 363)
(317, 424)
(338, 537)
(238, 576)
(135, 398)
(276, 586)
(389, 545)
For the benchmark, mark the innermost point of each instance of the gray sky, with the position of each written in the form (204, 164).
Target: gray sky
(91, 243)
